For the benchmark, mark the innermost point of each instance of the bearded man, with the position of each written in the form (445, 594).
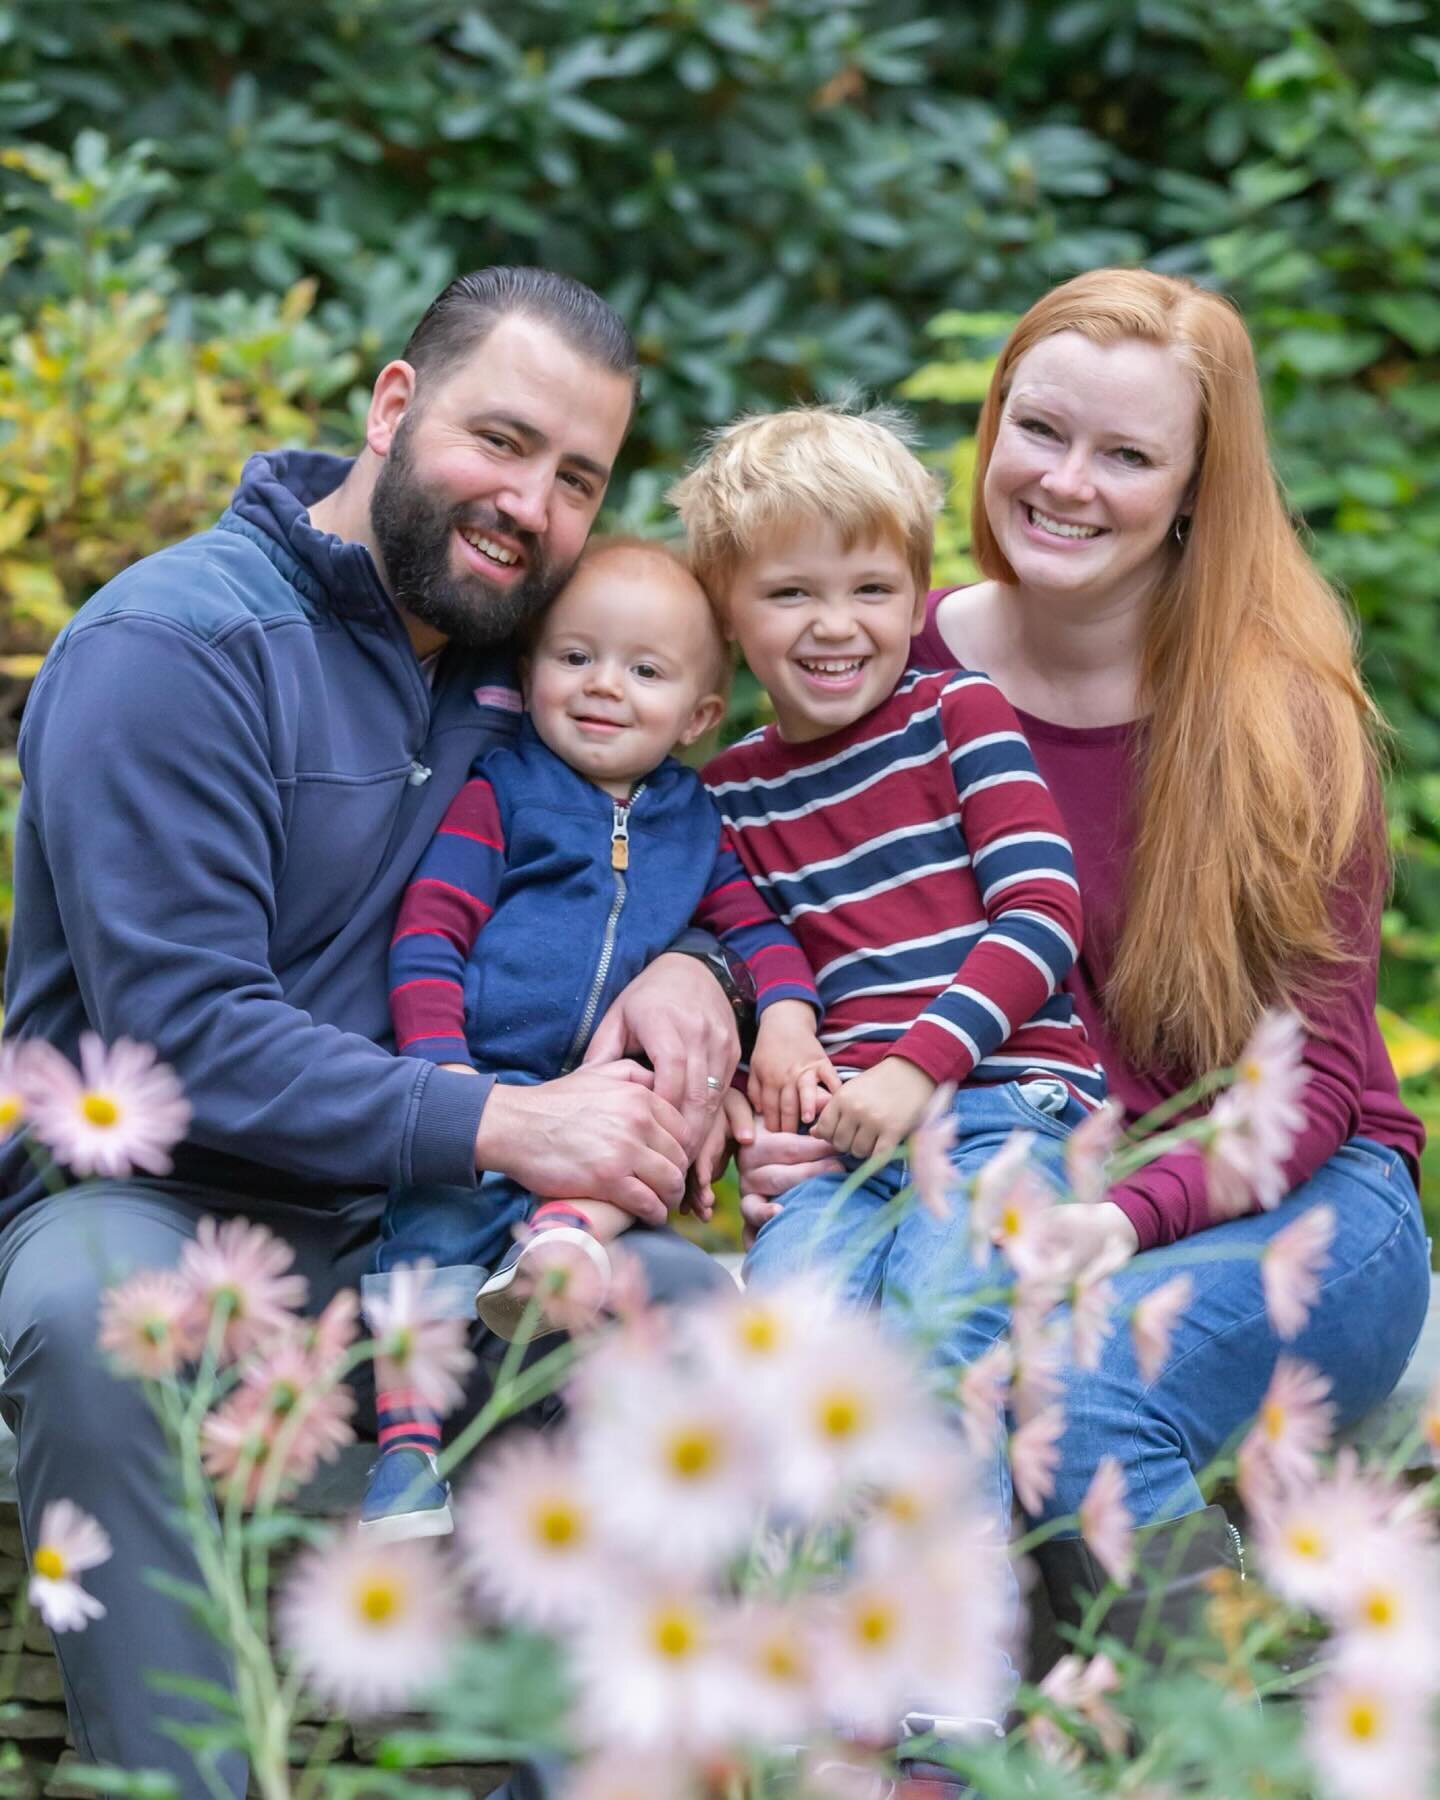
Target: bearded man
(233, 758)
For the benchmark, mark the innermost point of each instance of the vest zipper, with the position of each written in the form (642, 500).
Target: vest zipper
(619, 863)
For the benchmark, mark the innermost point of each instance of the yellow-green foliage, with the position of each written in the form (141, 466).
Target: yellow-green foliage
(118, 436)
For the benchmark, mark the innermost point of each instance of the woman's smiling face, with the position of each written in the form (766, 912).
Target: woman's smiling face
(1093, 462)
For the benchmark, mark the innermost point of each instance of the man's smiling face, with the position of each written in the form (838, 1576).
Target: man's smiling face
(492, 479)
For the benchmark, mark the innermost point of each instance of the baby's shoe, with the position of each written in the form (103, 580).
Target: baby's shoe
(406, 1497)
(559, 1259)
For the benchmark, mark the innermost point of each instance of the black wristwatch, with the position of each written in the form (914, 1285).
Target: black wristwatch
(736, 981)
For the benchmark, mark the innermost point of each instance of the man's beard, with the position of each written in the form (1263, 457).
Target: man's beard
(414, 535)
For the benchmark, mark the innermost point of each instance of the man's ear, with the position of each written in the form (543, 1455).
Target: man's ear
(390, 399)
(709, 711)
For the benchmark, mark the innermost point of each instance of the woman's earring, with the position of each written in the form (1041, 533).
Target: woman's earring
(1182, 527)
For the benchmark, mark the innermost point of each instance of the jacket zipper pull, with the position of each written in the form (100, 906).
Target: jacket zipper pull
(620, 838)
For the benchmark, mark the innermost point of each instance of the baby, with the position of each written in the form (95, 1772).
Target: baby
(565, 864)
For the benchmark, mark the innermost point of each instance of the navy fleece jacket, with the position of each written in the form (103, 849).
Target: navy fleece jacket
(232, 763)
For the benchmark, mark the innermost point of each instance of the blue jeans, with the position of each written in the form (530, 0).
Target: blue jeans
(1374, 1293)
(463, 1231)
(919, 1272)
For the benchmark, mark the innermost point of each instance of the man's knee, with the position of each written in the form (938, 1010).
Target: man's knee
(676, 1271)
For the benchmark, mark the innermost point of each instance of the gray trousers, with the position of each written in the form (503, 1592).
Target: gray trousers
(84, 1435)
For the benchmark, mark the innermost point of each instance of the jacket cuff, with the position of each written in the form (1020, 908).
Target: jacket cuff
(448, 1107)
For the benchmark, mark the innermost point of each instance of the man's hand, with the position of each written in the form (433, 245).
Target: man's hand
(675, 1013)
(876, 1111)
(600, 1132)
(789, 1072)
(771, 1162)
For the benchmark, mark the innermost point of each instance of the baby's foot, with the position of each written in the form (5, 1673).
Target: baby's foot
(560, 1261)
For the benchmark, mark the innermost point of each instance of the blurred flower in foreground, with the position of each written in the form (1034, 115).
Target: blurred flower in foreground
(1153, 1321)
(930, 1167)
(530, 1536)
(1253, 1124)
(242, 1268)
(1078, 1687)
(1035, 1456)
(1369, 1735)
(27, 1066)
(370, 1626)
(123, 1110)
(1089, 1148)
(70, 1543)
(427, 1350)
(1290, 1269)
(1105, 1522)
(1291, 1429)
(653, 1670)
(147, 1324)
(276, 1428)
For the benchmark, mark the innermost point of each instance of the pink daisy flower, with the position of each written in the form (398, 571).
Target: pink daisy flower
(426, 1350)
(991, 1191)
(28, 1067)
(773, 1646)
(875, 1643)
(530, 1536)
(1039, 1352)
(930, 1145)
(147, 1324)
(678, 1475)
(1081, 1688)
(280, 1409)
(371, 1626)
(1293, 1425)
(327, 1340)
(1368, 1734)
(983, 1390)
(122, 1110)
(1290, 1269)
(1015, 1221)
(1092, 1322)
(1153, 1321)
(1384, 1609)
(1089, 1148)
(655, 1672)
(70, 1543)
(242, 1268)
(1105, 1522)
(1253, 1125)
(1035, 1456)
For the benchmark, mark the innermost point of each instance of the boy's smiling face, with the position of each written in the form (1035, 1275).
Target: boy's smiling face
(624, 669)
(826, 630)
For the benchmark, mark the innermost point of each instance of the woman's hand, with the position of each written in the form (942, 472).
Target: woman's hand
(1095, 1238)
(769, 1163)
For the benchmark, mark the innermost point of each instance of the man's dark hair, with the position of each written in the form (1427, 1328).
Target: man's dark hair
(463, 316)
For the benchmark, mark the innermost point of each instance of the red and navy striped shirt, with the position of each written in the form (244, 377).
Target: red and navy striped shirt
(921, 863)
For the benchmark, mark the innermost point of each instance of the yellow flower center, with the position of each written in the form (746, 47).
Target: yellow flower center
(1251, 1071)
(904, 1509)
(759, 1333)
(1432, 1429)
(780, 1661)
(1273, 1420)
(1304, 1540)
(49, 1563)
(693, 1454)
(1379, 1609)
(1010, 1221)
(12, 1111)
(841, 1415)
(874, 1625)
(99, 1109)
(557, 1524)
(674, 1633)
(378, 1600)
(1363, 1719)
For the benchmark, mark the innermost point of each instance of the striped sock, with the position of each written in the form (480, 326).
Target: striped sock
(405, 1420)
(559, 1212)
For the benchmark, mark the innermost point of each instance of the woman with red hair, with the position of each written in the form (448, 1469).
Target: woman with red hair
(1189, 686)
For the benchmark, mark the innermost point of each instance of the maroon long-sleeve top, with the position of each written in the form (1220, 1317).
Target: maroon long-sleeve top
(1352, 1091)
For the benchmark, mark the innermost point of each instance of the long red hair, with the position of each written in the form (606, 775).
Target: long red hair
(1259, 768)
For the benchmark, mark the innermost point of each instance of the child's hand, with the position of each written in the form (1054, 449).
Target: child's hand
(789, 1072)
(876, 1111)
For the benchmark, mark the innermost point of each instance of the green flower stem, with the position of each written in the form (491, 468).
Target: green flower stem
(312, 1776)
(1042, 1534)
(511, 1394)
(1179, 1103)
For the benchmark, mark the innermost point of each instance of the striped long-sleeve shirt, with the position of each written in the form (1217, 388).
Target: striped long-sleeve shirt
(540, 898)
(922, 865)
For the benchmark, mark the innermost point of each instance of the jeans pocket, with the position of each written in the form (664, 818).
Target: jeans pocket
(1379, 1157)
(1044, 1104)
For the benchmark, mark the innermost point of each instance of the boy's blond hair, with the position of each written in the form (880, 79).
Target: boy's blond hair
(773, 471)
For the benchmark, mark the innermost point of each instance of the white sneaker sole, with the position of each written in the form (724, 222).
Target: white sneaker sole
(502, 1302)
(434, 1521)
